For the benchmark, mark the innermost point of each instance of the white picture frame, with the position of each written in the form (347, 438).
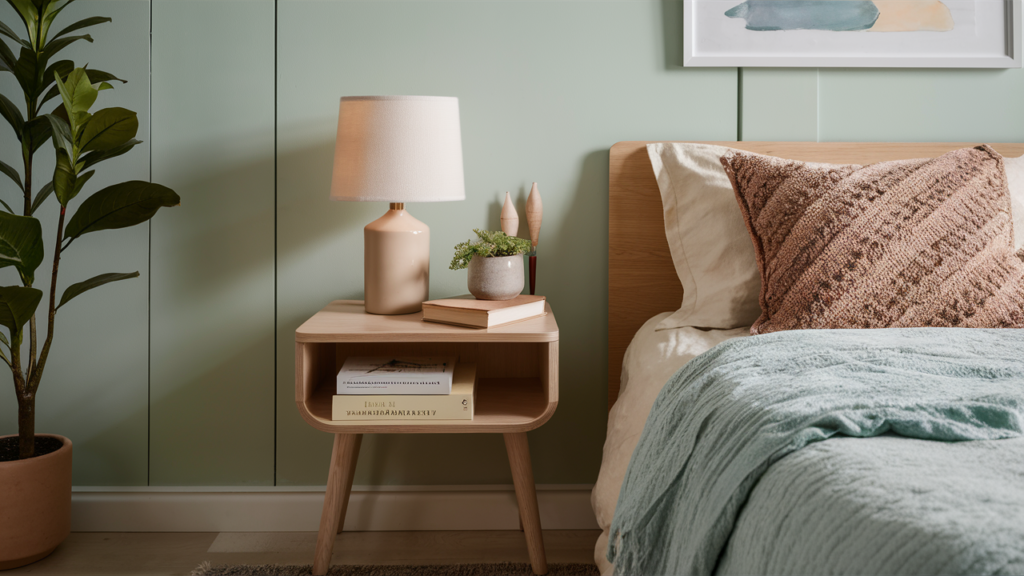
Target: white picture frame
(991, 39)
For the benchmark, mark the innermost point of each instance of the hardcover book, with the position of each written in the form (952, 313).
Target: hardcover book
(459, 405)
(468, 311)
(390, 375)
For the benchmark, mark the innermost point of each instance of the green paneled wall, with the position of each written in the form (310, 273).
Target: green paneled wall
(212, 303)
(185, 377)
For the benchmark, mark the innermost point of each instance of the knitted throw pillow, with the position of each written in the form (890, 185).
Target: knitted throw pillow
(905, 243)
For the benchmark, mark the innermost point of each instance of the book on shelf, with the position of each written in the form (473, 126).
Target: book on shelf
(396, 375)
(459, 405)
(468, 311)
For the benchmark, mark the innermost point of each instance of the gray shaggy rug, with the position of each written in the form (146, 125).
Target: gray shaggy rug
(497, 569)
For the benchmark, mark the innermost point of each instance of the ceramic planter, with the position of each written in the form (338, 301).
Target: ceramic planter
(496, 278)
(35, 506)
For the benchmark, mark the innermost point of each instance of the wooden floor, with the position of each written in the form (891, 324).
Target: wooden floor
(177, 553)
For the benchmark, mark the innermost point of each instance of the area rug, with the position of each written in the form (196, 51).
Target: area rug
(497, 569)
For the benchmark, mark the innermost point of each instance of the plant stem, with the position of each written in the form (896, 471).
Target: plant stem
(26, 402)
(26, 426)
(28, 212)
(33, 381)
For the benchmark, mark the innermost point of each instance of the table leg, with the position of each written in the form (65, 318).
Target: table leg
(339, 486)
(526, 495)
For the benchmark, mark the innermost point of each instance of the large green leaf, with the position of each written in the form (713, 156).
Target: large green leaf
(94, 282)
(41, 196)
(59, 69)
(29, 13)
(101, 155)
(7, 59)
(101, 76)
(95, 76)
(6, 31)
(80, 181)
(120, 206)
(58, 44)
(17, 305)
(37, 132)
(61, 131)
(82, 24)
(21, 244)
(12, 174)
(25, 70)
(12, 114)
(108, 128)
(63, 178)
(48, 10)
(78, 94)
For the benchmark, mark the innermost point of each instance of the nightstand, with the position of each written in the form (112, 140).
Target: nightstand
(517, 391)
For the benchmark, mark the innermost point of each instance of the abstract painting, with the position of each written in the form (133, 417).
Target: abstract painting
(877, 33)
(844, 15)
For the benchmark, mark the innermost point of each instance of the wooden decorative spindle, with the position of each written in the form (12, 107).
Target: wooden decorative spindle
(534, 216)
(509, 217)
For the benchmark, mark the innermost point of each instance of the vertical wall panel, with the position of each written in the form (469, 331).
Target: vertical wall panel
(213, 261)
(545, 89)
(922, 105)
(779, 104)
(94, 387)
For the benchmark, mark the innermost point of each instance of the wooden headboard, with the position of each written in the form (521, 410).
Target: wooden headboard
(642, 281)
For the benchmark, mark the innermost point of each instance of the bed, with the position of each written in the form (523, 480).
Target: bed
(644, 289)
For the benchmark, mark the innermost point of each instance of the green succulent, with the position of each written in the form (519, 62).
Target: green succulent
(491, 244)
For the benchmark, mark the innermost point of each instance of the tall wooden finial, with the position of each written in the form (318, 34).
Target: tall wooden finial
(534, 214)
(509, 217)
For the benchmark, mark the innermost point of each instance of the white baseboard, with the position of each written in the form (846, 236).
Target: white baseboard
(297, 509)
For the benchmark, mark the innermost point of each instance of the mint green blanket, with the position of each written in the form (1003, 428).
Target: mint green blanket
(733, 412)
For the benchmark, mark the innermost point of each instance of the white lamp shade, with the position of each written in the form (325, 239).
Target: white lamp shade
(398, 149)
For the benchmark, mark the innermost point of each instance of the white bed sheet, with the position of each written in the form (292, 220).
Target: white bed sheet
(651, 359)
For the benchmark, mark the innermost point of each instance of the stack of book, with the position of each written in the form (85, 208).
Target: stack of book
(408, 388)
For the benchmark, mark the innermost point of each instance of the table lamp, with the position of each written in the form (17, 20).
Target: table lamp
(397, 149)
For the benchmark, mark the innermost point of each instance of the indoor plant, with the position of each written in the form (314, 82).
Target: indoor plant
(35, 481)
(495, 262)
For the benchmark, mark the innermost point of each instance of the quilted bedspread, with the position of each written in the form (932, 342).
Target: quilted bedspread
(923, 472)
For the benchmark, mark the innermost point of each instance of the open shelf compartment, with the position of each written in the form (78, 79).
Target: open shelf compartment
(516, 384)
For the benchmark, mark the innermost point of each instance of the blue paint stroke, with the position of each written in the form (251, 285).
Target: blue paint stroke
(834, 15)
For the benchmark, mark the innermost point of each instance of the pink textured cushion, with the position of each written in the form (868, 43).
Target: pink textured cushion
(924, 242)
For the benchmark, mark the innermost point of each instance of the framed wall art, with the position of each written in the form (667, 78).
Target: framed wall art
(853, 33)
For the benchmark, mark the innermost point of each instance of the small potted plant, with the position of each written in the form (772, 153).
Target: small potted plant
(495, 262)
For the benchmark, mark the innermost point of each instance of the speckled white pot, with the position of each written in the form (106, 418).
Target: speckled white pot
(498, 278)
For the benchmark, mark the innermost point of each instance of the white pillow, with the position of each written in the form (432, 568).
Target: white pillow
(710, 244)
(1015, 180)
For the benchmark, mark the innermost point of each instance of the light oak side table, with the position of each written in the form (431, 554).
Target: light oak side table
(517, 391)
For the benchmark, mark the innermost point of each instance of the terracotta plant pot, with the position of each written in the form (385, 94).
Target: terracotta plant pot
(35, 505)
(496, 278)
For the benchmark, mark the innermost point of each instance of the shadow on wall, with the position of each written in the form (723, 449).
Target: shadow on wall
(672, 33)
(214, 449)
(318, 225)
(572, 267)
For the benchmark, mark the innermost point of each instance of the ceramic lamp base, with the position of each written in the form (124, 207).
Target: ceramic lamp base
(397, 263)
